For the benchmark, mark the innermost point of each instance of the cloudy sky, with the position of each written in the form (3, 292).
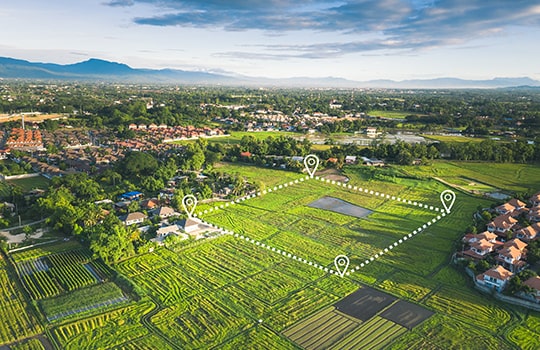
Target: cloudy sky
(353, 39)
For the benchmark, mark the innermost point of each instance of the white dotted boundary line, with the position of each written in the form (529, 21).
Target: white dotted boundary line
(380, 194)
(254, 195)
(273, 249)
(322, 267)
(396, 243)
(333, 182)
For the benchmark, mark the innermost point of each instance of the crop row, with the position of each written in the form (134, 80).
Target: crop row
(80, 299)
(271, 285)
(16, 322)
(104, 331)
(44, 250)
(40, 285)
(260, 338)
(170, 284)
(69, 271)
(469, 307)
(204, 321)
(141, 264)
(374, 334)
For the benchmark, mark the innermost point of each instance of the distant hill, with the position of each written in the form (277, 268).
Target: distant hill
(101, 70)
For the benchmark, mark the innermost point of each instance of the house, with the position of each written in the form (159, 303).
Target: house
(510, 206)
(535, 199)
(350, 160)
(534, 284)
(164, 231)
(501, 224)
(332, 160)
(488, 236)
(133, 195)
(511, 255)
(164, 212)
(534, 214)
(189, 225)
(495, 278)
(529, 233)
(133, 218)
(480, 249)
(371, 132)
(150, 204)
(245, 154)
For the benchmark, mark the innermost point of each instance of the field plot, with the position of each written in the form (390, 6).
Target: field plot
(16, 322)
(339, 206)
(322, 330)
(105, 331)
(406, 314)
(364, 303)
(286, 220)
(49, 275)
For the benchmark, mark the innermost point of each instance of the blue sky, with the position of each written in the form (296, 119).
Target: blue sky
(353, 39)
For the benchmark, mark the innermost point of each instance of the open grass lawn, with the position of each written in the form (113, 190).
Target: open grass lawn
(391, 114)
(31, 183)
(236, 136)
(456, 139)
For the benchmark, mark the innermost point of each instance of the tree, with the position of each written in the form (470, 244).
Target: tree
(137, 164)
(111, 240)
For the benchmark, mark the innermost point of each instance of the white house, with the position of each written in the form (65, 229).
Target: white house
(501, 224)
(133, 218)
(495, 278)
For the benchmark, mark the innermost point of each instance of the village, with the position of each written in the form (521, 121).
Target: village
(507, 250)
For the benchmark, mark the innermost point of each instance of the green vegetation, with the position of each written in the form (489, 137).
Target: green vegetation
(30, 344)
(80, 299)
(30, 183)
(17, 320)
(105, 331)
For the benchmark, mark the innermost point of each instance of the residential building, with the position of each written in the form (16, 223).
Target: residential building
(164, 212)
(529, 233)
(495, 278)
(535, 199)
(510, 206)
(133, 218)
(501, 224)
(534, 284)
(511, 255)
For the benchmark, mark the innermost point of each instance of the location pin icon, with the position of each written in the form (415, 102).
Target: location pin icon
(341, 262)
(311, 162)
(448, 198)
(189, 202)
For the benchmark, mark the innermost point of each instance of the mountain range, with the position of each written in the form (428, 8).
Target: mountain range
(101, 70)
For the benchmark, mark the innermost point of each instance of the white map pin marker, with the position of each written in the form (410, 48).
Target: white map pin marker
(189, 202)
(448, 198)
(311, 162)
(341, 262)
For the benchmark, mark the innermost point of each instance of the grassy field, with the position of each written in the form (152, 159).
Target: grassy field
(227, 292)
(504, 176)
(456, 139)
(236, 136)
(390, 114)
(31, 183)
(17, 321)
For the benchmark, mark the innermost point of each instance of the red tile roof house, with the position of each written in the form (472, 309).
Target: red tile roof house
(501, 224)
(529, 233)
(510, 206)
(495, 278)
(511, 255)
(481, 245)
(535, 199)
(534, 284)
(534, 214)
(481, 249)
